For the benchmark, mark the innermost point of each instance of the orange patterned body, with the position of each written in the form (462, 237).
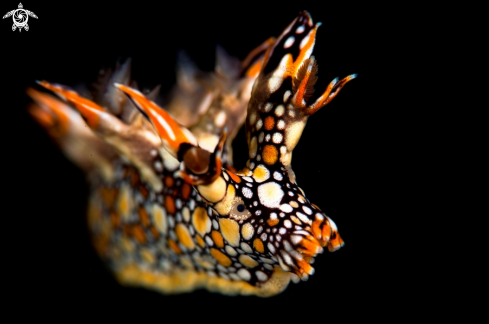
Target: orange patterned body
(166, 209)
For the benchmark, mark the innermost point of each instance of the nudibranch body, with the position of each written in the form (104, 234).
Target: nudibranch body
(167, 210)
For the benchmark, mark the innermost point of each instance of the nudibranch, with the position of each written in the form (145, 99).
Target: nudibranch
(167, 209)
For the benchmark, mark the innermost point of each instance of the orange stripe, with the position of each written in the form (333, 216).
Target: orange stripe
(144, 192)
(41, 116)
(258, 245)
(217, 238)
(272, 222)
(170, 204)
(316, 230)
(54, 105)
(174, 246)
(87, 108)
(155, 232)
(115, 219)
(174, 136)
(233, 176)
(199, 240)
(169, 181)
(335, 242)
(326, 231)
(269, 122)
(139, 234)
(307, 46)
(270, 154)
(185, 191)
(303, 267)
(143, 216)
(309, 247)
(221, 257)
(109, 195)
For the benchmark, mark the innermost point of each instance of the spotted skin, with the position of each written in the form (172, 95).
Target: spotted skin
(174, 215)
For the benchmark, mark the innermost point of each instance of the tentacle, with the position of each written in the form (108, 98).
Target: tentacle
(304, 82)
(69, 131)
(199, 166)
(291, 48)
(94, 115)
(50, 112)
(206, 103)
(132, 141)
(105, 93)
(279, 104)
(331, 91)
(172, 134)
(253, 61)
(226, 65)
(110, 97)
(189, 99)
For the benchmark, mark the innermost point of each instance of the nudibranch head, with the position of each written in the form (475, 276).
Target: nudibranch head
(276, 218)
(260, 209)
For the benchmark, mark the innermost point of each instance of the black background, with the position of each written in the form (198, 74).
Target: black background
(346, 160)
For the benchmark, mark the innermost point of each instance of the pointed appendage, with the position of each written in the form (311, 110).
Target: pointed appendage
(133, 141)
(69, 131)
(167, 128)
(253, 62)
(199, 165)
(50, 112)
(281, 97)
(281, 102)
(89, 110)
(331, 91)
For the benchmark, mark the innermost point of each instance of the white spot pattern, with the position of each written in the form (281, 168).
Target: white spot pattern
(277, 176)
(289, 42)
(303, 218)
(231, 251)
(259, 124)
(280, 124)
(209, 241)
(261, 275)
(286, 208)
(158, 166)
(287, 95)
(271, 247)
(268, 107)
(279, 111)
(277, 138)
(304, 41)
(247, 192)
(244, 274)
(270, 194)
(246, 247)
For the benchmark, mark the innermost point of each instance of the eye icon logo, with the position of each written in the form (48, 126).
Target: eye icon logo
(20, 17)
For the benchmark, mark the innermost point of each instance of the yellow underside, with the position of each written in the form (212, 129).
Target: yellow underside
(187, 281)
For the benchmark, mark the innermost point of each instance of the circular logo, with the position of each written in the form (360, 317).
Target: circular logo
(20, 18)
